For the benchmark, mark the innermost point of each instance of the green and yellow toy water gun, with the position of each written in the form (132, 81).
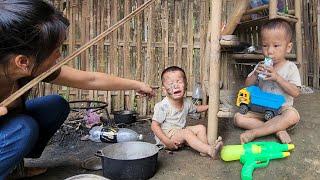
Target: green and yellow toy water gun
(255, 155)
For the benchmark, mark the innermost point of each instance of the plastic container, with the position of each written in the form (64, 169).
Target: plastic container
(282, 5)
(113, 135)
(254, 4)
(196, 99)
(267, 63)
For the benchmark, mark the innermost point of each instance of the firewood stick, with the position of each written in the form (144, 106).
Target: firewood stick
(42, 76)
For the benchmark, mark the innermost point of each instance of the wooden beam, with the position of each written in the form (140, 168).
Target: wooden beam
(239, 9)
(257, 9)
(273, 9)
(42, 76)
(257, 56)
(214, 81)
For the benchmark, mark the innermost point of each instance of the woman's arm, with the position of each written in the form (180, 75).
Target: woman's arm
(3, 111)
(99, 81)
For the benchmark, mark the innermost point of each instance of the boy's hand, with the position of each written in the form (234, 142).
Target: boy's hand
(3, 111)
(271, 74)
(260, 68)
(172, 144)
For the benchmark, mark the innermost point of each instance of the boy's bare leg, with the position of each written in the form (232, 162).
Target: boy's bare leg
(276, 124)
(246, 122)
(200, 131)
(186, 135)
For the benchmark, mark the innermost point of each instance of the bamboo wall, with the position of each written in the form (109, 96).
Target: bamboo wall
(171, 32)
(311, 40)
(168, 33)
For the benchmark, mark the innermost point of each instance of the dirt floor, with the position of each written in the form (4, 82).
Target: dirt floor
(63, 157)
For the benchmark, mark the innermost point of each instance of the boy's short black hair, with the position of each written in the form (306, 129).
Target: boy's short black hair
(279, 23)
(173, 69)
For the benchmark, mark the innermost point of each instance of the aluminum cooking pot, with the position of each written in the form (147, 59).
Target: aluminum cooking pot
(125, 117)
(129, 160)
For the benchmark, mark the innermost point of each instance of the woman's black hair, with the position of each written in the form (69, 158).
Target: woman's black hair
(33, 28)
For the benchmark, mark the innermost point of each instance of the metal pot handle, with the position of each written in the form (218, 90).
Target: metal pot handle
(160, 147)
(99, 153)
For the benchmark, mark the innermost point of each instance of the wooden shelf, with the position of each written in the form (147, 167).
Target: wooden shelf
(225, 43)
(256, 56)
(264, 19)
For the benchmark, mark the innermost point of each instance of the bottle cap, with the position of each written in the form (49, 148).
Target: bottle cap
(140, 137)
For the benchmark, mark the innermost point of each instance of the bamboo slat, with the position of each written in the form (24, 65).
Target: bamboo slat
(190, 45)
(298, 32)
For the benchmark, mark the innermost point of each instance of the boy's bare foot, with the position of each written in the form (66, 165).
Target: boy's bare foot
(203, 154)
(247, 136)
(284, 137)
(215, 148)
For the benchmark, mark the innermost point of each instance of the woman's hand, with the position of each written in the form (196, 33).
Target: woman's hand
(145, 90)
(3, 111)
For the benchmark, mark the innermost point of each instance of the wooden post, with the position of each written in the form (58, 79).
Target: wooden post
(214, 90)
(273, 9)
(239, 9)
(297, 9)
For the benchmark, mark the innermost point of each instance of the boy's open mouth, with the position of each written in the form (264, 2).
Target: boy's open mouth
(177, 92)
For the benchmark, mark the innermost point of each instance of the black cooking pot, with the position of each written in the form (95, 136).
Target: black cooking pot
(125, 117)
(129, 160)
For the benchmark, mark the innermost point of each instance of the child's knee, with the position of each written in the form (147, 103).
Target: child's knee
(292, 116)
(237, 119)
(201, 128)
(187, 132)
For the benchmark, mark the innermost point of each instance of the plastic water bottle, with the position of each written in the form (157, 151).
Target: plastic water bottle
(113, 135)
(267, 63)
(196, 99)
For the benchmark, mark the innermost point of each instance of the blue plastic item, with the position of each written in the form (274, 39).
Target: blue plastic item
(252, 98)
(281, 4)
(261, 98)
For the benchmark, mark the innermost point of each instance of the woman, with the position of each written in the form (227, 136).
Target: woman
(31, 32)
